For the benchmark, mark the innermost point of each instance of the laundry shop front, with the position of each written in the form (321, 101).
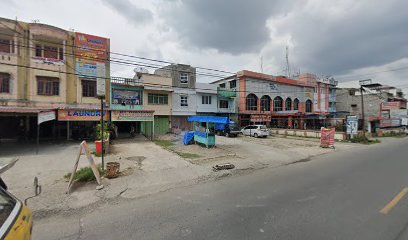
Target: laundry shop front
(79, 123)
(140, 121)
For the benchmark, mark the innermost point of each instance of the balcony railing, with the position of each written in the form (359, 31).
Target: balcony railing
(126, 81)
(226, 92)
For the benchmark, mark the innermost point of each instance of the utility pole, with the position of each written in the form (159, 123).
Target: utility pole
(102, 131)
(362, 113)
(363, 83)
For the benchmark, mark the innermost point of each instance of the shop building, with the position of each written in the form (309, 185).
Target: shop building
(126, 107)
(157, 97)
(39, 73)
(227, 90)
(278, 101)
(184, 96)
(384, 106)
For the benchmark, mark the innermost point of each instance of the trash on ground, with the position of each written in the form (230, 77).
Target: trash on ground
(225, 166)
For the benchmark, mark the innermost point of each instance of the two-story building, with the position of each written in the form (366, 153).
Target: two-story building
(157, 97)
(184, 99)
(40, 72)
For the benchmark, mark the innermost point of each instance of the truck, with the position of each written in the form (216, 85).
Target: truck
(228, 130)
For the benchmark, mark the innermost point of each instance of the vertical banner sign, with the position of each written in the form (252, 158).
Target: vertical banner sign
(91, 55)
(352, 125)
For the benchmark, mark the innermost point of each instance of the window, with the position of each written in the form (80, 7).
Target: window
(5, 46)
(265, 103)
(50, 52)
(296, 104)
(183, 77)
(309, 106)
(88, 88)
(222, 85)
(38, 50)
(277, 104)
(288, 104)
(223, 103)
(233, 84)
(47, 86)
(184, 101)
(206, 99)
(251, 102)
(60, 53)
(157, 99)
(4, 83)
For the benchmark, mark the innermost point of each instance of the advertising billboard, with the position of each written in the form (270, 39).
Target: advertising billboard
(91, 48)
(126, 97)
(91, 56)
(352, 125)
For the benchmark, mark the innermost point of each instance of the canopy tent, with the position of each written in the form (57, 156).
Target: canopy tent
(208, 119)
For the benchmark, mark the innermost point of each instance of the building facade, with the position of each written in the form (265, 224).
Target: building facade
(184, 95)
(206, 99)
(384, 106)
(278, 101)
(45, 68)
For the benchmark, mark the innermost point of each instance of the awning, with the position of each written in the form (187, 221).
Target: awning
(21, 110)
(209, 119)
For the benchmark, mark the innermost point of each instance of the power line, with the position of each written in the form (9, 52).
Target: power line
(121, 54)
(154, 84)
(124, 62)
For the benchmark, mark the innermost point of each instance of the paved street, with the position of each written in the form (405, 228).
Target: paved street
(336, 196)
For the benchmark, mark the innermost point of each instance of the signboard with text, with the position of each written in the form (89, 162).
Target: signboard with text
(91, 48)
(260, 118)
(81, 115)
(390, 105)
(132, 116)
(45, 117)
(352, 125)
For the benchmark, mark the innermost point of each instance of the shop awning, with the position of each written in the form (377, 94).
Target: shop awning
(21, 110)
(209, 119)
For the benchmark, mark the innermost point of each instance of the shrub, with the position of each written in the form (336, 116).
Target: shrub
(84, 174)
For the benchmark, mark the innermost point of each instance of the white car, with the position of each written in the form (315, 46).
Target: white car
(255, 131)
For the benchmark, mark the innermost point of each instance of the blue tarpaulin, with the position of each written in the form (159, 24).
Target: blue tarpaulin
(209, 119)
(188, 137)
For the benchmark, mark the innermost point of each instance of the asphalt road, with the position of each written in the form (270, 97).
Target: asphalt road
(336, 196)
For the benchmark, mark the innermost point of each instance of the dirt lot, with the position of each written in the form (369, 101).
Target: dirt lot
(248, 152)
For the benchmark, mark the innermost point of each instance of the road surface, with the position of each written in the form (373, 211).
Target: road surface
(359, 194)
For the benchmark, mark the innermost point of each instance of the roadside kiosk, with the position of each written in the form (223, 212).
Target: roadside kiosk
(203, 127)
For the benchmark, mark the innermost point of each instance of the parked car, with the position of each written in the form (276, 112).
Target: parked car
(255, 131)
(16, 220)
(228, 130)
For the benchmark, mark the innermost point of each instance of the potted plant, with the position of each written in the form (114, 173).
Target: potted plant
(99, 137)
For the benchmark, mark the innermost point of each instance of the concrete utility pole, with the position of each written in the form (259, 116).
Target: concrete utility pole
(362, 113)
(366, 82)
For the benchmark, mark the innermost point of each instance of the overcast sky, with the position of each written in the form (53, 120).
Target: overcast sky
(347, 39)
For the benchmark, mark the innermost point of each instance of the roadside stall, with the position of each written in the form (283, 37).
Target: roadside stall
(204, 128)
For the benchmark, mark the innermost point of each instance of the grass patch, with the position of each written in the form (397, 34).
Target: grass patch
(164, 143)
(84, 174)
(167, 144)
(187, 155)
(360, 139)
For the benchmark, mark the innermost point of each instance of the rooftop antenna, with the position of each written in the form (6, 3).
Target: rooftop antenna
(287, 61)
(261, 64)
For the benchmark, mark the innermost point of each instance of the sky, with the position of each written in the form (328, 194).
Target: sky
(346, 39)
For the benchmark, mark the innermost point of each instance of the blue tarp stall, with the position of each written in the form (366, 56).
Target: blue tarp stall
(188, 137)
(202, 128)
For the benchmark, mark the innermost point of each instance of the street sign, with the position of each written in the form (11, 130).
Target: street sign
(45, 116)
(352, 125)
